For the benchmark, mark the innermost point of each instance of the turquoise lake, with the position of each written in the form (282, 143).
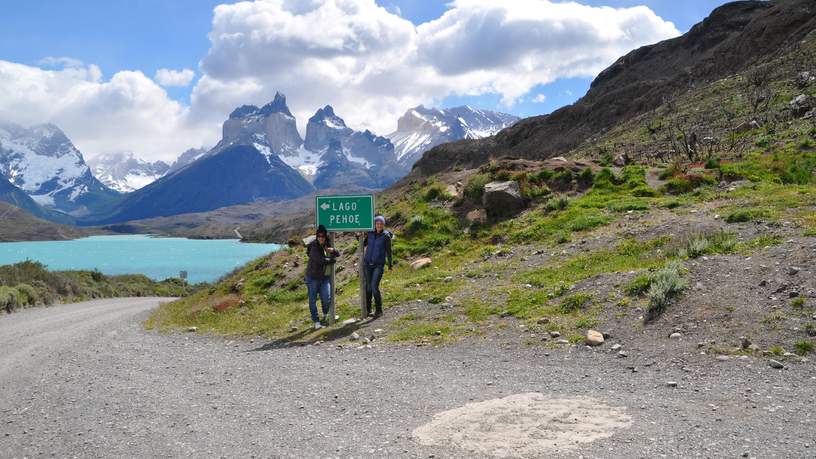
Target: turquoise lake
(157, 258)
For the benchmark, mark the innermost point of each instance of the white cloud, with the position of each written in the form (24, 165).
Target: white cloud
(366, 61)
(539, 99)
(128, 112)
(170, 77)
(371, 64)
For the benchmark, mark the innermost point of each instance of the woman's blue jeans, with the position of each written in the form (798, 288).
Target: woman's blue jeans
(373, 275)
(320, 287)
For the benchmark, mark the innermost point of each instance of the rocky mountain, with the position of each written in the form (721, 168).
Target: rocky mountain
(242, 168)
(421, 129)
(186, 158)
(43, 162)
(124, 172)
(268, 159)
(348, 157)
(732, 38)
(18, 198)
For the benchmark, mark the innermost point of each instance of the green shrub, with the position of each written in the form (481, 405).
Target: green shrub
(562, 179)
(474, 189)
(585, 323)
(9, 298)
(543, 176)
(557, 203)
(586, 177)
(28, 295)
(798, 302)
(415, 224)
(686, 183)
(639, 285)
(574, 302)
(643, 191)
(436, 193)
(743, 215)
(502, 175)
(627, 205)
(804, 347)
(712, 163)
(777, 350)
(671, 171)
(666, 284)
(605, 179)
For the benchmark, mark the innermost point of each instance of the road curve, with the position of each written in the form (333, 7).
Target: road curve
(85, 380)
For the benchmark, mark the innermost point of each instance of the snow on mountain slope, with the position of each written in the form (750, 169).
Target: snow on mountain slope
(421, 129)
(43, 162)
(124, 172)
(186, 158)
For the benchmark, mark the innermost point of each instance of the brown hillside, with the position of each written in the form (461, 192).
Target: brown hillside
(731, 39)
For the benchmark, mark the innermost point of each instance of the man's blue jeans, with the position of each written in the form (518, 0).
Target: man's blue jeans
(323, 288)
(373, 275)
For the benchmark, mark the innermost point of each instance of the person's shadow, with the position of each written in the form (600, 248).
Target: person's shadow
(302, 337)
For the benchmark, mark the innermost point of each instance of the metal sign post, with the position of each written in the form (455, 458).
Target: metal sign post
(363, 280)
(348, 213)
(333, 290)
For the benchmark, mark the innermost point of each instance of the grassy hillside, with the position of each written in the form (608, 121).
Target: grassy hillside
(615, 249)
(30, 284)
(18, 225)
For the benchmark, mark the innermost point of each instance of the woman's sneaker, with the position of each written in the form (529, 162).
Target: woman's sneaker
(318, 326)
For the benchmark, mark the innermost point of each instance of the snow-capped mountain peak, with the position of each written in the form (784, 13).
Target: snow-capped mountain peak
(124, 172)
(43, 162)
(421, 128)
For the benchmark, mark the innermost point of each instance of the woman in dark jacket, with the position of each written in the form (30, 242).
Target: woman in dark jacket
(318, 273)
(377, 255)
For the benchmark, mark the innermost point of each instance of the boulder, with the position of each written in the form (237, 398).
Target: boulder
(804, 79)
(455, 190)
(476, 216)
(594, 338)
(421, 263)
(801, 104)
(621, 160)
(502, 198)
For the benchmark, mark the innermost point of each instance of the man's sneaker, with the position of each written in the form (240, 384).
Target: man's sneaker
(318, 326)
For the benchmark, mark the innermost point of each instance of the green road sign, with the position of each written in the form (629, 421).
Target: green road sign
(345, 213)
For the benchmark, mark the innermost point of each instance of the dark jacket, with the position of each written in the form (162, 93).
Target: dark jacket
(318, 260)
(378, 248)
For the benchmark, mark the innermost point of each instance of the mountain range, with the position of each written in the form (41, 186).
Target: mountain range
(261, 156)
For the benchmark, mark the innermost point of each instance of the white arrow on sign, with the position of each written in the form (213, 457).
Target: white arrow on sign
(325, 206)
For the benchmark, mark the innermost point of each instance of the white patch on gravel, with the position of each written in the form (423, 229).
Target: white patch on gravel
(523, 425)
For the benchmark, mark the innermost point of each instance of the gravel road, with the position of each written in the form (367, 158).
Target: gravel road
(84, 380)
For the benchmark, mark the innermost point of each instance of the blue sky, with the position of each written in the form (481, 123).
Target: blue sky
(148, 35)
